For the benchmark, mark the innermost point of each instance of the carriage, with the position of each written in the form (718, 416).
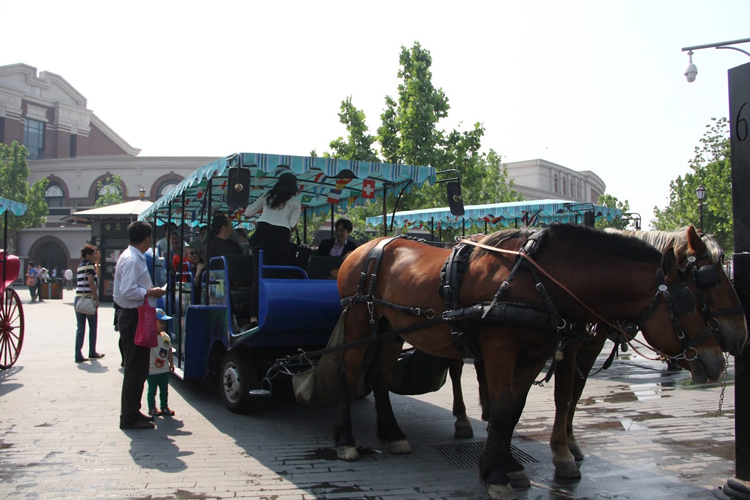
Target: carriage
(299, 305)
(11, 311)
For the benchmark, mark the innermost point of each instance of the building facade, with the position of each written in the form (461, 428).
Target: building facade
(78, 153)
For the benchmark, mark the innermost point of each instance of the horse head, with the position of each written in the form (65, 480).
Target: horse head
(717, 298)
(674, 325)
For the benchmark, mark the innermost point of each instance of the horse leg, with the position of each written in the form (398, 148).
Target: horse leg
(484, 398)
(389, 432)
(498, 371)
(348, 378)
(565, 379)
(463, 425)
(587, 354)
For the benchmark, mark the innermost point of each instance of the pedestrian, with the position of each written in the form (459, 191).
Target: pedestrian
(41, 278)
(162, 364)
(132, 285)
(68, 276)
(31, 274)
(54, 272)
(87, 284)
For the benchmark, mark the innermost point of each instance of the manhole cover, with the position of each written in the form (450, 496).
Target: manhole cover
(467, 455)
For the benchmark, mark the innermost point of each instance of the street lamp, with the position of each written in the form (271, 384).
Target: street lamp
(692, 71)
(701, 194)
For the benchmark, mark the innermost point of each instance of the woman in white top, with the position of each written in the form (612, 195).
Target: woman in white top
(281, 212)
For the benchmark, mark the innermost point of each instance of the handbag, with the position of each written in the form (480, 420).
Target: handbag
(30, 280)
(146, 334)
(86, 305)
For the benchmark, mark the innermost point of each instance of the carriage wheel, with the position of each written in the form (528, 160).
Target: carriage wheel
(11, 328)
(237, 377)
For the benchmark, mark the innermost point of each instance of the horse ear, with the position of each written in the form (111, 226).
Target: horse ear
(695, 242)
(669, 264)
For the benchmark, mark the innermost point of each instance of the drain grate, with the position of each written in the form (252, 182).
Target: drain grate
(467, 455)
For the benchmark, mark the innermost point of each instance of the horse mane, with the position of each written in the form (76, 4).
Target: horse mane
(613, 244)
(662, 240)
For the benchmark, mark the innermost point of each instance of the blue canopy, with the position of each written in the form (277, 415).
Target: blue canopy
(322, 182)
(517, 212)
(12, 206)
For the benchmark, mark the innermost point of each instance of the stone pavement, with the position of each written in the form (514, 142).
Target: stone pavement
(647, 432)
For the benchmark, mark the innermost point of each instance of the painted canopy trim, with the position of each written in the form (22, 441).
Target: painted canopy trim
(524, 212)
(15, 207)
(323, 181)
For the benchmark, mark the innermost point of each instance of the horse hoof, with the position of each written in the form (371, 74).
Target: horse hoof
(400, 447)
(567, 470)
(575, 450)
(519, 479)
(463, 430)
(500, 491)
(347, 453)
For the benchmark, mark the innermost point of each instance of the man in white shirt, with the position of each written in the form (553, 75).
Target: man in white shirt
(131, 287)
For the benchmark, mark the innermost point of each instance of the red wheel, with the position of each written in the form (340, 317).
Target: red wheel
(11, 328)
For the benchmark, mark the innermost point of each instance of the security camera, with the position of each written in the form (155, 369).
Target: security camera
(691, 72)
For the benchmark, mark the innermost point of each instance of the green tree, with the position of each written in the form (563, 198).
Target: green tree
(114, 192)
(14, 185)
(607, 200)
(710, 167)
(359, 144)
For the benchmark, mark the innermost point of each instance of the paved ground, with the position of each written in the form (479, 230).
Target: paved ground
(647, 432)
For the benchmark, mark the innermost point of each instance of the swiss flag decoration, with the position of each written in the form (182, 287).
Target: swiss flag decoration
(368, 188)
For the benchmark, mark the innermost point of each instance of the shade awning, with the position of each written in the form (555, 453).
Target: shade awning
(531, 213)
(14, 207)
(126, 211)
(323, 182)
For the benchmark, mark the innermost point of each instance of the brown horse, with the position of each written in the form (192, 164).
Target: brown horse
(717, 300)
(615, 276)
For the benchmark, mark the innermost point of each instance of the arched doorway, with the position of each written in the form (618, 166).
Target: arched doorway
(51, 255)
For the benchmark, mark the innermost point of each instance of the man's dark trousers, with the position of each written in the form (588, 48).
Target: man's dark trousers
(136, 360)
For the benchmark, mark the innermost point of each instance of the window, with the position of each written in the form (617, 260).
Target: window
(73, 145)
(565, 186)
(2, 130)
(578, 186)
(166, 188)
(34, 139)
(555, 186)
(54, 196)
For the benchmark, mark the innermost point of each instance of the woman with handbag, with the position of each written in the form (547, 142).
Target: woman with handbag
(31, 275)
(87, 302)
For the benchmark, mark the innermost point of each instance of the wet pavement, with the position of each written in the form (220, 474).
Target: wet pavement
(647, 432)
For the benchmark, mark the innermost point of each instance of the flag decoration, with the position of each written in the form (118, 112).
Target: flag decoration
(368, 188)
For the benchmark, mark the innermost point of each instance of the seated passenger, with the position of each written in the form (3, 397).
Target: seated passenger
(219, 243)
(189, 262)
(341, 245)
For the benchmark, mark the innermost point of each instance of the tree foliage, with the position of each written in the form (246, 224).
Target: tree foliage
(710, 167)
(607, 200)
(409, 133)
(114, 194)
(14, 185)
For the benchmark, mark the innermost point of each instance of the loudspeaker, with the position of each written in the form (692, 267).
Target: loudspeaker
(588, 219)
(455, 200)
(238, 187)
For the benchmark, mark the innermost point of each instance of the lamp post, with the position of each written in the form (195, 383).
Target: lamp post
(739, 96)
(701, 194)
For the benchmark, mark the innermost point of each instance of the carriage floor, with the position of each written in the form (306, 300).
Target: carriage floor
(647, 434)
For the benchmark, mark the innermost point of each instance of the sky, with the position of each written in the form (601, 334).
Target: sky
(589, 85)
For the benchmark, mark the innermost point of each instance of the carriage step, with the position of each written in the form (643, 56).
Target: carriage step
(260, 393)
(467, 455)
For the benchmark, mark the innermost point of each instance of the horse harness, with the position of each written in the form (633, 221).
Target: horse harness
(679, 299)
